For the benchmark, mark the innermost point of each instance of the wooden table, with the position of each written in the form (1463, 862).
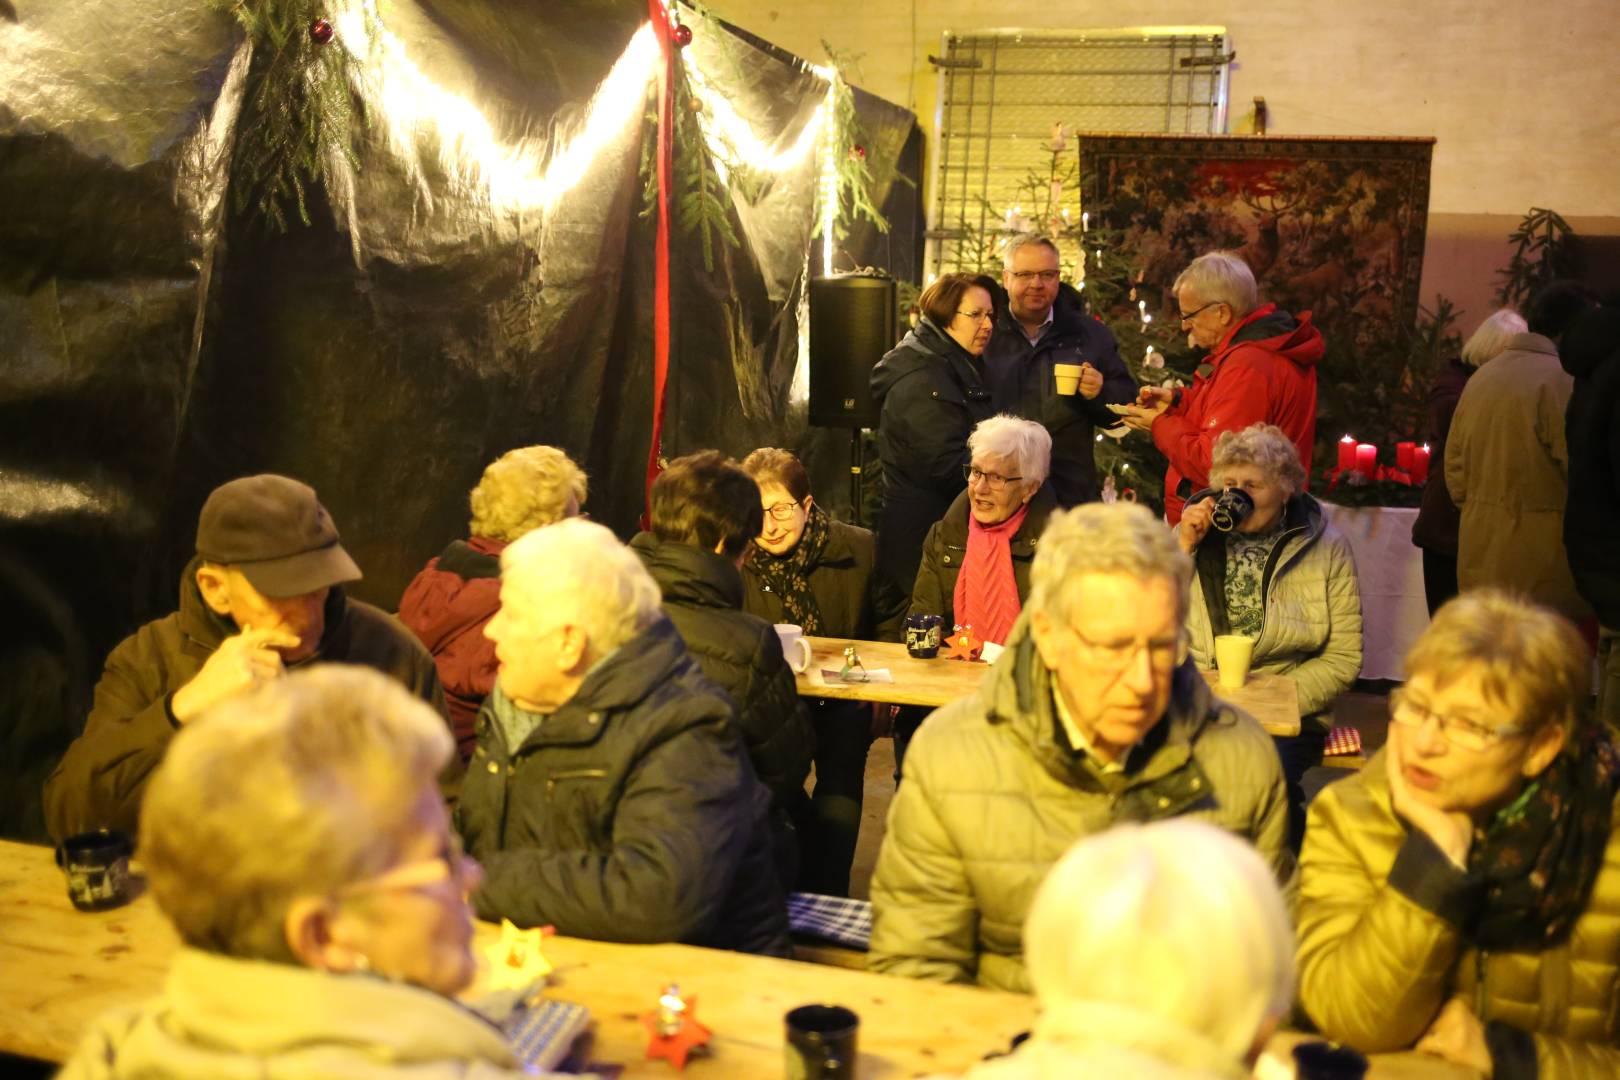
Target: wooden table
(1271, 699)
(60, 968)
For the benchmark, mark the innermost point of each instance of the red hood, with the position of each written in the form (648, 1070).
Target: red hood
(1292, 337)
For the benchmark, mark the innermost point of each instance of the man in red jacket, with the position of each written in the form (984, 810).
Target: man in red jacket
(1261, 369)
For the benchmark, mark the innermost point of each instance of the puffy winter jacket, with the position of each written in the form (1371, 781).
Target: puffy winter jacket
(447, 606)
(629, 814)
(1022, 383)
(1380, 949)
(930, 394)
(101, 779)
(993, 796)
(1264, 371)
(740, 653)
(946, 546)
(1311, 621)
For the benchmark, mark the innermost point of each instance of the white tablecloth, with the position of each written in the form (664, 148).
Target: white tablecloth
(1390, 568)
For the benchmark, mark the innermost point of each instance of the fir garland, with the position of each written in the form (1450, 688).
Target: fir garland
(301, 113)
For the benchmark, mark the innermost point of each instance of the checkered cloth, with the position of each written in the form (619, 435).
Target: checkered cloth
(831, 918)
(1342, 740)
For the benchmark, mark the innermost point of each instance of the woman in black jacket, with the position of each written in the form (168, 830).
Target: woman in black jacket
(930, 391)
(806, 569)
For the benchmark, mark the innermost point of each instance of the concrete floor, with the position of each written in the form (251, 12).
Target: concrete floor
(1366, 712)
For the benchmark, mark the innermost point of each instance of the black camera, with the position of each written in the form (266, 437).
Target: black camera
(1232, 507)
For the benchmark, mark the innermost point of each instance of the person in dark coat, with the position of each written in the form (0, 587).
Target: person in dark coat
(705, 511)
(1040, 323)
(807, 569)
(930, 390)
(457, 592)
(610, 795)
(1435, 530)
(1590, 351)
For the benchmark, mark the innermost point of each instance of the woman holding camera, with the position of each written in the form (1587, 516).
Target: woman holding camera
(1268, 566)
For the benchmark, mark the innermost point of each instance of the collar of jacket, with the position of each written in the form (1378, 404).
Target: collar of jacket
(1069, 319)
(205, 628)
(269, 1008)
(618, 681)
(688, 574)
(1529, 342)
(475, 557)
(1161, 777)
(837, 551)
(1080, 1024)
(954, 525)
(1304, 522)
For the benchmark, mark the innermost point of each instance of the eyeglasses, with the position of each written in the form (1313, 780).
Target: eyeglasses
(451, 864)
(1467, 734)
(1187, 317)
(1024, 277)
(991, 480)
(782, 511)
(1163, 653)
(979, 316)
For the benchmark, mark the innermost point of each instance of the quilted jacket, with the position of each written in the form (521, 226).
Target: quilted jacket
(1311, 628)
(994, 795)
(1380, 949)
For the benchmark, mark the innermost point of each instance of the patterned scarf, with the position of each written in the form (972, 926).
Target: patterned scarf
(1540, 856)
(788, 576)
(986, 596)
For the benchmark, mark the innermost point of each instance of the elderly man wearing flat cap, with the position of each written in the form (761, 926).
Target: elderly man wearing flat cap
(264, 593)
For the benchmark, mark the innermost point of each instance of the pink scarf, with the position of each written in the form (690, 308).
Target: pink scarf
(986, 596)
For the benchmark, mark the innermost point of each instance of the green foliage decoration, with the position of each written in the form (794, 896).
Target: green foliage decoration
(1542, 253)
(301, 113)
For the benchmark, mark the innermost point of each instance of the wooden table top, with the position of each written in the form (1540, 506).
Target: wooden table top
(1271, 699)
(61, 968)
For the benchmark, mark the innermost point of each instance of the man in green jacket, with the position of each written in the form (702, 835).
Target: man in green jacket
(263, 594)
(1092, 717)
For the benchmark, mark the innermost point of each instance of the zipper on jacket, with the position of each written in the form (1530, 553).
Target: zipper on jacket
(572, 774)
(1269, 575)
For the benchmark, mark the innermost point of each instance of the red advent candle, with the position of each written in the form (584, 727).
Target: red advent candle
(1420, 464)
(1347, 453)
(1366, 459)
(1403, 456)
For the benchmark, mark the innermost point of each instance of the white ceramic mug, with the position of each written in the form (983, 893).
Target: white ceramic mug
(1232, 655)
(795, 647)
(1068, 378)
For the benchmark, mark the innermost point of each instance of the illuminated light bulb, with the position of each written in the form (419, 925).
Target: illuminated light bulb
(1085, 219)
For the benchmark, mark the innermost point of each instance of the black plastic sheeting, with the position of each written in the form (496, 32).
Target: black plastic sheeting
(153, 343)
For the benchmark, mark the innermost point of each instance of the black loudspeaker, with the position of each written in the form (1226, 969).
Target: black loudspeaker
(852, 324)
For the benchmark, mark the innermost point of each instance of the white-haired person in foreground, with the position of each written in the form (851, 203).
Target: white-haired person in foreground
(1094, 716)
(1181, 965)
(1260, 369)
(610, 795)
(295, 838)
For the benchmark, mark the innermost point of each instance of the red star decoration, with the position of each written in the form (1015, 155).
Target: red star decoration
(675, 1047)
(964, 646)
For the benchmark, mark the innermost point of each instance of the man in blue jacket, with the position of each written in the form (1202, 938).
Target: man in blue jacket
(1043, 324)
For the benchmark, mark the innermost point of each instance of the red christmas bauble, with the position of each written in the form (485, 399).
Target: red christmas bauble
(682, 35)
(857, 151)
(320, 31)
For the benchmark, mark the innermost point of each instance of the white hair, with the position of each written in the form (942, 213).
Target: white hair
(1265, 446)
(1492, 337)
(1103, 538)
(579, 570)
(1221, 277)
(1023, 441)
(1024, 240)
(1177, 919)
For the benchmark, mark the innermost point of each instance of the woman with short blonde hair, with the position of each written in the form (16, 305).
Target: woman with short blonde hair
(1461, 892)
(1282, 576)
(452, 599)
(296, 839)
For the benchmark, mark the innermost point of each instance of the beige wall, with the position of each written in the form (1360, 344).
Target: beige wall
(1520, 95)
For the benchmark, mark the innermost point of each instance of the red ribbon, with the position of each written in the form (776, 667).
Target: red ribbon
(666, 168)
